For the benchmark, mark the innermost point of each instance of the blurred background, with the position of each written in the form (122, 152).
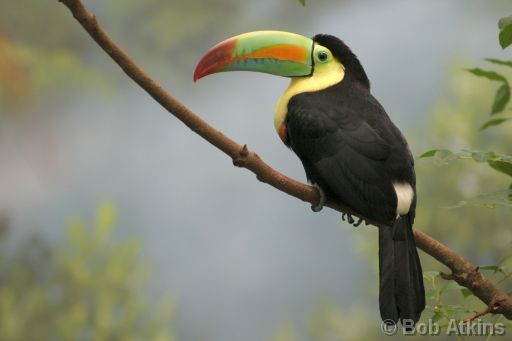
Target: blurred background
(118, 223)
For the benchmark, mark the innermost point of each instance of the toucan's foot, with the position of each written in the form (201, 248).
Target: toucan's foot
(347, 217)
(351, 220)
(358, 222)
(318, 206)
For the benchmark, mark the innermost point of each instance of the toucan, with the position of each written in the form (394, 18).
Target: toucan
(350, 149)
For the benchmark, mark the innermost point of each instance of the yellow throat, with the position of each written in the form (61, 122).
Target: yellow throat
(323, 77)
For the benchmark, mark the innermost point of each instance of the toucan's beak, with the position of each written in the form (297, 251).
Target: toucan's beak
(275, 52)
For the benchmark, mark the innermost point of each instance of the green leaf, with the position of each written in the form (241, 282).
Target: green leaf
(451, 286)
(494, 122)
(76, 233)
(505, 36)
(437, 316)
(489, 200)
(442, 156)
(505, 21)
(494, 268)
(429, 153)
(499, 62)
(502, 96)
(466, 292)
(499, 162)
(105, 220)
(501, 166)
(501, 99)
(476, 155)
(450, 309)
(431, 275)
(432, 294)
(491, 75)
(303, 2)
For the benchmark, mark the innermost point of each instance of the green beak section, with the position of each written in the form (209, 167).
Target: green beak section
(274, 52)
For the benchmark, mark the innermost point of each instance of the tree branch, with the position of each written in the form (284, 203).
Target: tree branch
(463, 271)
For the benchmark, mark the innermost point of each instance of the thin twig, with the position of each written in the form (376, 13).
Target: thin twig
(490, 309)
(463, 272)
(478, 314)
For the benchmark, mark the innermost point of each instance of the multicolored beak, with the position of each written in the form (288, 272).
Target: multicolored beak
(274, 52)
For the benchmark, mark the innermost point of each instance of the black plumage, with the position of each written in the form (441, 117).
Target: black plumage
(351, 149)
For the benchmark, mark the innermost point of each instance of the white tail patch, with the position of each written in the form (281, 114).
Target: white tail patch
(404, 195)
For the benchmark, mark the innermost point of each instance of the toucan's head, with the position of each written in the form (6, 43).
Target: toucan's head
(283, 54)
(313, 64)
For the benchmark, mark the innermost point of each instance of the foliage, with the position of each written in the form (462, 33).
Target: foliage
(34, 67)
(29, 74)
(505, 26)
(502, 96)
(448, 300)
(443, 156)
(89, 289)
(499, 162)
(489, 200)
(482, 236)
(329, 323)
(441, 293)
(285, 333)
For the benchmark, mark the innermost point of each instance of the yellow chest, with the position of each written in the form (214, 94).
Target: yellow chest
(323, 77)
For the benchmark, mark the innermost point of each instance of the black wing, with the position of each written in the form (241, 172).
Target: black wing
(350, 148)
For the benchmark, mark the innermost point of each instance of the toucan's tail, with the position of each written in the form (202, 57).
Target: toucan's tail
(401, 295)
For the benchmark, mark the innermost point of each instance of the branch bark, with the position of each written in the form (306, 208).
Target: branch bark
(463, 272)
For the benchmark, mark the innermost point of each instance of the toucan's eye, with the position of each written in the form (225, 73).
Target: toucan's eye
(322, 56)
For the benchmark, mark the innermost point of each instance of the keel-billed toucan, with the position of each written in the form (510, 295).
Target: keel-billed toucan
(348, 145)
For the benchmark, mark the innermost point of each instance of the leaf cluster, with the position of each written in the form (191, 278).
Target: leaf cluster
(444, 296)
(502, 96)
(499, 162)
(441, 291)
(90, 288)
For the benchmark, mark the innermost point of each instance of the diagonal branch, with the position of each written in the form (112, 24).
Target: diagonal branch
(463, 272)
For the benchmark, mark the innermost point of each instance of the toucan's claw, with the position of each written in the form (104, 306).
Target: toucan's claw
(358, 222)
(318, 206)
(350, 219)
